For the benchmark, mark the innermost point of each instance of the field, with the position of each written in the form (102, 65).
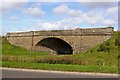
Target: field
(102, 58)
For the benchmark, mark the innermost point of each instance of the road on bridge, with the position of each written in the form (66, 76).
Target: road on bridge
(28, 73)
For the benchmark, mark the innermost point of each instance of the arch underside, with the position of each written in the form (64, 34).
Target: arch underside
(57, 45)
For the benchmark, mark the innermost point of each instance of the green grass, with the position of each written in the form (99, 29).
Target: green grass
(11, 50)
(89, 61)
(0, 45)
(110, 57)
(61, 67)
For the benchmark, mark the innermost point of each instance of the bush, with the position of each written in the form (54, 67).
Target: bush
(103, 48)
(91, 51)
(117, 42)
(107, 43)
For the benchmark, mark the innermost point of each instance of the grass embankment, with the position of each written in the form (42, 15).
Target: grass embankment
(11, 50)
(102, 58)
(0, 45)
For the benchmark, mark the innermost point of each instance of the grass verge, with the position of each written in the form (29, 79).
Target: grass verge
(61, 67)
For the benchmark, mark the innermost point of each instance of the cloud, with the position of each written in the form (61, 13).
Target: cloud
(35, 12)
(112, 9)
(109, 22)
(71, 18)
(56, 25)
(65, 10)
(96, 18)
(52, 26)
(99, 4)
(7, 6)
(46, 26)
(88, 18)
(112, 12)
(93, 17)
(62, 9)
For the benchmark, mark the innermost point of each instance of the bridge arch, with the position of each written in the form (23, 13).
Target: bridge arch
(56, 44)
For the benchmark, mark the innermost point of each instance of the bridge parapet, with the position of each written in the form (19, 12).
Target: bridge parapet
(75, 32)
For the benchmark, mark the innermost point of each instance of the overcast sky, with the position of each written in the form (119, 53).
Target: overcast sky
(34, 16)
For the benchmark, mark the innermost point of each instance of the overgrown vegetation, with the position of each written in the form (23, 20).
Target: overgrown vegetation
(103, 55)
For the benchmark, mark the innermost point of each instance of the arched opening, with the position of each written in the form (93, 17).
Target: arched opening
(57, 45)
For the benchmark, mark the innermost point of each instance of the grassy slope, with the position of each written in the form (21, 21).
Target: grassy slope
(90, 58)
(111, 57)
(0, 44)
(8, 49)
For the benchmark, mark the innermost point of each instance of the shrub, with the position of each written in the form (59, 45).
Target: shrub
(107, 43)
(117, 42)
(91, 51)
(103, 48)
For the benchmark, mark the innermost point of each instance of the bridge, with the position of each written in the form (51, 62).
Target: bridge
(61, 41)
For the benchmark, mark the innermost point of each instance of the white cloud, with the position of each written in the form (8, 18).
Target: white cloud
(75, 13)
(109, 22)
(56, 25)
(94, 17)
(112, 9)
(46, 26)
(6, 6)
(75, 19)
(62, 9)
(99, 4)
(35, 12)
(112, 12)
(90, 17)
(65, 10)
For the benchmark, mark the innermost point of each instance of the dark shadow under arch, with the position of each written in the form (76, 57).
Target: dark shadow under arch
(56, 44)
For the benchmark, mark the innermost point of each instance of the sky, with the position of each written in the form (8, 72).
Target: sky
(34, 16)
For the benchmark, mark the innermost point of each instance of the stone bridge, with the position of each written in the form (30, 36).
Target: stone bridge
(61, 41)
